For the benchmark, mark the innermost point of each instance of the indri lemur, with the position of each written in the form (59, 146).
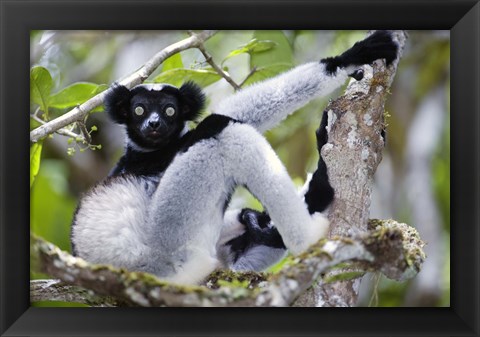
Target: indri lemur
(162, 209)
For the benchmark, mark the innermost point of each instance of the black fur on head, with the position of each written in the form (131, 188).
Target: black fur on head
(143, 110)
(190, 96)
(117, 103)
(193, 100)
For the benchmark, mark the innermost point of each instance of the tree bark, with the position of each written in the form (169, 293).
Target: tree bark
(56, 290)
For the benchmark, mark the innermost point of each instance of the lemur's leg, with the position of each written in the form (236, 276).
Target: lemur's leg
(251, 161)
(255, 228)
(263, 105)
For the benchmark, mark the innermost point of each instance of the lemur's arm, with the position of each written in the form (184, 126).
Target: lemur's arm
(263, 105)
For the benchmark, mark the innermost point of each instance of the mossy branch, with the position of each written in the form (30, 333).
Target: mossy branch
(56, 290)
(394, 249)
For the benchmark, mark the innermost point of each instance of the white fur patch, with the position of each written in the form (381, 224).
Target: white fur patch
(317, 231)
(108, 226)
(305, 186)
(201, 264)
(265, 104)
(231, 228)
(258, 258)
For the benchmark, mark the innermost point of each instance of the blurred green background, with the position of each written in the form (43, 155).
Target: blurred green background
(412, 183)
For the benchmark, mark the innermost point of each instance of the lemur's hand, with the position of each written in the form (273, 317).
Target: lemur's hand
(260, 229)
(379, 45)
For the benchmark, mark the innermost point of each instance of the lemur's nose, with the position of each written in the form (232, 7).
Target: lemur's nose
(154, 121)
(154, 124)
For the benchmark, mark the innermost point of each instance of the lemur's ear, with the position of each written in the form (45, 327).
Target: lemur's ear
(117, 103)
(192, 100)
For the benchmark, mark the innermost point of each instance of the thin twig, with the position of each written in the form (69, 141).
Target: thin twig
(219, 70)
(253, 71)
(209, 60)
(86, 134)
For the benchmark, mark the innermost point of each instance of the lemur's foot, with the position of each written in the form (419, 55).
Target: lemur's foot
(260, 229)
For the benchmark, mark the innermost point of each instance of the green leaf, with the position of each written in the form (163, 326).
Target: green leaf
(252, 47)
(41, 84)
(282, 53)
(263, 73)
(35, 153)
(202, 77)
(75, 94)
(173, 62)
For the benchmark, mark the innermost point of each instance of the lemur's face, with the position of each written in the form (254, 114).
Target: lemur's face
(154, 114)
(154, 118)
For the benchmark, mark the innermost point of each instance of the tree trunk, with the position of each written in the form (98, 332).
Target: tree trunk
(356, 121)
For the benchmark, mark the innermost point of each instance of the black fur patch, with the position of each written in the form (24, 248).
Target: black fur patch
(332, 64)
(320, 193)
(154, 162)
(192, 99)
(257, 232)
(357, 74)
(379, 45)
(117, 103)
(147, 163)
(210, 127)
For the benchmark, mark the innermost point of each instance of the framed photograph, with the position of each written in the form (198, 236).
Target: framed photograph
(81, 46)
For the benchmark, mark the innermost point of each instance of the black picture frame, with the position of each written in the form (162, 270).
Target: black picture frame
(18, 17)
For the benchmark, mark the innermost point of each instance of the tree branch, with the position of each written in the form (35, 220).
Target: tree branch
(61, 131)
(133, 79)
(393, 248)
(56, 290)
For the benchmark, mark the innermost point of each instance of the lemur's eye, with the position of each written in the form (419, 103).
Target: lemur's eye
(139, 110)
(170, 111)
